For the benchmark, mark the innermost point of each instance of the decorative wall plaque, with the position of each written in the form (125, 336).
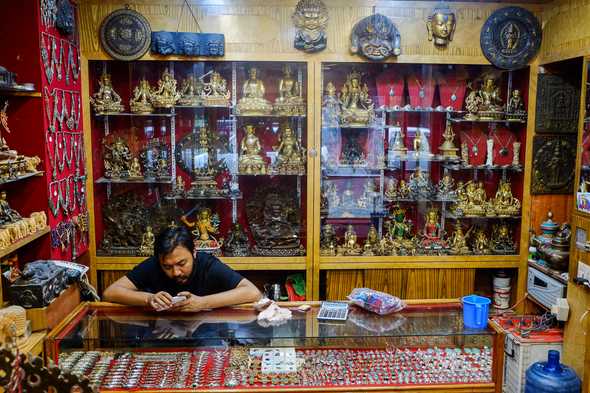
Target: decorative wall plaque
(376, 37)
(510, 37)
(553, 164)
(125, 34)
(310, 18)
(558, 105)
(188, 44)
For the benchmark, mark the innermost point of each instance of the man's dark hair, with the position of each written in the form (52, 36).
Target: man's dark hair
(170, 238)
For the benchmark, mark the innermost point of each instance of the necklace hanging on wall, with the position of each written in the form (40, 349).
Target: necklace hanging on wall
(49, 55)
(54, 193)
(73, 65)
(48, 12)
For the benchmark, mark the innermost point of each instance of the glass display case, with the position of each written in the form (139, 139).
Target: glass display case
(423, 347)
(583, 190)
(220, 147)
(421, 159)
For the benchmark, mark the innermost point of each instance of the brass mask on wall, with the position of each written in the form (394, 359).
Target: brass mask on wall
(441, 26)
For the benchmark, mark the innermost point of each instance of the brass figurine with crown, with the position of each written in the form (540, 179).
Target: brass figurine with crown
(191, 92)
(479, 241)
(458, 241)
(215, 91)
(291, 155)
(502, 239)
(251, 161)
(441, 25)
(166, 95)
(357, 108)
(106, 100)
(328, 241)
(448, 148)
(350, 247)
(140, 103)
(289, 102)
(204, 228)
(504, 203)
(372, 243)
(253, 102)
(472, 200)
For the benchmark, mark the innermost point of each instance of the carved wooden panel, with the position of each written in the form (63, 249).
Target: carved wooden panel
(554, 162)
(558, 105)
(404, 283)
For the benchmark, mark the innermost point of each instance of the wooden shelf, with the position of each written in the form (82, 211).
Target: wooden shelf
(421, 262)
(33, 344)
(19, 92)
(23, 242)
(236, 263)
(23, 177)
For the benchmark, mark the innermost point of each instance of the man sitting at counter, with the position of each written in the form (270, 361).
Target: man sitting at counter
(173, 279)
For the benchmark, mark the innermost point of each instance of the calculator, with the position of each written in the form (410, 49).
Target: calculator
(334, 311)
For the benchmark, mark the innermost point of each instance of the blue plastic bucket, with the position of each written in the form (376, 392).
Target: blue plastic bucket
(475, 311)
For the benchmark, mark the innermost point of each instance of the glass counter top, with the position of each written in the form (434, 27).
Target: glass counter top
(127, 326)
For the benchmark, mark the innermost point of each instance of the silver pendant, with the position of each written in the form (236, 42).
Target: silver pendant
(503, 152)
(422, 94)
(475, 150)
(391, 92)
(453, 97)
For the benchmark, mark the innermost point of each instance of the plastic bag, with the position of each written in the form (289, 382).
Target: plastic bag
(378, 302)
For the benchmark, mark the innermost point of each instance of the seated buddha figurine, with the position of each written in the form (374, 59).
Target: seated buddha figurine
(491, 105)
(253, 102)
(141, 101)
(515, 107)
(445, 189)
(391, 189)
(399, 234)
(504, 204)
(135, 171)
(290, 154)
(215, 92)
(350, 245)
(106, 100)
(147, 242)
(432, 234)
(502, 239)
(331, 107)
(251, 161)
(328, 241)
(191, 92)
(479, 242)
(237, 244)
(420, 185)
(289, 102)
(458, 241)
(7, 214)
(357, 107)
(371, 246)
(165, 96)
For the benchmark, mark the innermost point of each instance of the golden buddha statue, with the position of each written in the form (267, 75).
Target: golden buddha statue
(357, 108)
(472, 104)
(251, 161)
(491, 106)
(165, 96)
(471, 199)
(253, 102)
(432, 235)
(140, 102)
(147, 243)
(215, 92)
(504, 204)
(350, 246)
(445, 189)
(135, 169)
(191, 92)
(403, 191)
(372, 243)
(441, 25)
(180, 188)
(328, 243)
(203, 229)
(289, 102)
(448, 148)
(479, 243)
(290, 155)
(391, 189)
(458, 241)
(331, 107)
(369, 193)
(106, 100)
(502, 239)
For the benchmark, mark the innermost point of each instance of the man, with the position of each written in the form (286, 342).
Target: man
(204, 281)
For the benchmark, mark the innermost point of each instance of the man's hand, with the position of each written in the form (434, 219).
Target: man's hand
(160, 301)
(193, 303)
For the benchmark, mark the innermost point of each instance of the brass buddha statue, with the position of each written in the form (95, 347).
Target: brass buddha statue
(398, 239)
(106, 100)
(141, 101)
(251, 161)
(515, 107)
(331, 107)
(350, 246)
(472, 200)
(135, 171)
(420, 185)
(328, 241)
(479, 241)
(357, 108)
(391, 189)
(403, 190)
(147, 243)
(504, 204)
(289, 102)
(290, 155)
(253, 102)
(165, 96)
(445, 189)
(215, 91)
(502, 239)
(237, 244)
(116, 159)
(372, 243)
(458, 241)
(7, 214)
(432, 240)
(191, 92)
(203, 228)
(491, 106)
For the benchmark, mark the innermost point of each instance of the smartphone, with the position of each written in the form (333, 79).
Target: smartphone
(178, 299)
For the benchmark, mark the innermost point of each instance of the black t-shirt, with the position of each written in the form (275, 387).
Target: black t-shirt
(209, 276)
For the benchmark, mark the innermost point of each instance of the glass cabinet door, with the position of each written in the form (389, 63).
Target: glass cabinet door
(583, 191)
(219, 147)
(421, 160)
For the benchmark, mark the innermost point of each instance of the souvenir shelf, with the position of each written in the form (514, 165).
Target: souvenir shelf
(234, 139)
(120, 348)
(416, 166)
